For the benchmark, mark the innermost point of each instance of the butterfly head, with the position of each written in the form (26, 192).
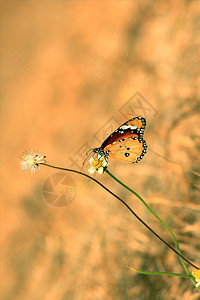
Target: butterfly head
(98, 151)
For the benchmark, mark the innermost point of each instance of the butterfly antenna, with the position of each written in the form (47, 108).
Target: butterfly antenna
(88, 153)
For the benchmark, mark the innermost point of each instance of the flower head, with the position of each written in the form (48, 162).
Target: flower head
(196, 274)
(31, 160)
(99, 164)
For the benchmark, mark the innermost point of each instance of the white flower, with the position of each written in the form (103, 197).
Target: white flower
(31, 160)
(196, 274)
(99, 164)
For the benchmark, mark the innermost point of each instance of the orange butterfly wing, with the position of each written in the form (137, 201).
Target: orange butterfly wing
(136, 122)
(128, 149)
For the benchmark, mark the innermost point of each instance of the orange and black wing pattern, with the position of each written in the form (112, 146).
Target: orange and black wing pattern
(126, 142)
(130, 150)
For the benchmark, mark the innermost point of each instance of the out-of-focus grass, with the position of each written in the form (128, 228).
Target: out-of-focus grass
(67, 68)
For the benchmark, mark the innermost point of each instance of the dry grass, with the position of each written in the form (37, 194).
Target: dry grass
(67, 67)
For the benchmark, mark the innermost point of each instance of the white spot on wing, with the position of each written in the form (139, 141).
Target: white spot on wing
(124, 127)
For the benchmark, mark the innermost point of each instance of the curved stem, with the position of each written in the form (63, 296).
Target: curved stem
(158, 218)
(125, 204)
(149, 208)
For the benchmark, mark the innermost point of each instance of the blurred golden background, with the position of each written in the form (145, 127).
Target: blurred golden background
(71, 71)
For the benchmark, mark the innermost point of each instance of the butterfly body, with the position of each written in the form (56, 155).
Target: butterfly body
(126, 142)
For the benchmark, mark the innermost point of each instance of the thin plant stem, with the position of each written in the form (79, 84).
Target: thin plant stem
(157, 217)
(125, 204)
(147, 206)
(160, 273)
(165, 273)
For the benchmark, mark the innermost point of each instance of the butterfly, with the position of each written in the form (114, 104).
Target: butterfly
(125, 143)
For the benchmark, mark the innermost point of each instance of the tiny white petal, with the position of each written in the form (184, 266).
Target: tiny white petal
(198, 283)
(91, 160)
(91, 170)
(104, 163)
(100, 170)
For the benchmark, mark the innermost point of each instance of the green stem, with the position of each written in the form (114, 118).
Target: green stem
(160, 273)
(157, 217)
(124, 203)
